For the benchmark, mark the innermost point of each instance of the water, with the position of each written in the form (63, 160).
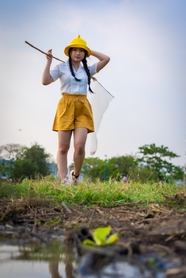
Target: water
(26, 269)
(59, 261)
(29, 262)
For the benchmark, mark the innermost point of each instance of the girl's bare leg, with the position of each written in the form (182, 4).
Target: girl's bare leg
(63, 147)
(80, 137)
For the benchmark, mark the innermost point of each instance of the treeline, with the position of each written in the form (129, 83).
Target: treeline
(151, 163)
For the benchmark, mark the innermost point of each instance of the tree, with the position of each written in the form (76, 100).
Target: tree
(31, 163)
(10, 151)
(95, 168)
(156, 158)
(122, 164)
(8, 155)
(143, 174)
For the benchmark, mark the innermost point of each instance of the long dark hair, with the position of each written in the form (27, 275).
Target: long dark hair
(84, 61)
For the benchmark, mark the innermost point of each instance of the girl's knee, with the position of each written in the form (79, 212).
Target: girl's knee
(63, 149)
(79, 149)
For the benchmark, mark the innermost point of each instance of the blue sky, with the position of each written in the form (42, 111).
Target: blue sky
(146, 41)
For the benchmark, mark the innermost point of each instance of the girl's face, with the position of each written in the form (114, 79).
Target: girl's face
(77, 54)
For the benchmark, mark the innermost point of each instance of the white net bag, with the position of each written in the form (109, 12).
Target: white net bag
(99, 102)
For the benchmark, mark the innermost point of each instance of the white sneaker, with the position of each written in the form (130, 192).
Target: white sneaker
(65, 181)
(74, 179)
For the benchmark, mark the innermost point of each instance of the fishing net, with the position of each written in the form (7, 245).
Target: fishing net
(99, 102)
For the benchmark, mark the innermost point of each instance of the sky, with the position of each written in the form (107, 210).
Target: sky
(146, 41)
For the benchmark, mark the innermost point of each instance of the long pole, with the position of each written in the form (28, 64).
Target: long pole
(93, 78)
(43, 52)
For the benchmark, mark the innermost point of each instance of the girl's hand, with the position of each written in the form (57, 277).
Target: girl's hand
(46, 77)
(49, 55)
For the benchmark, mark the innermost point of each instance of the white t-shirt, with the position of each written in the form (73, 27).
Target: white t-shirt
(68, 83)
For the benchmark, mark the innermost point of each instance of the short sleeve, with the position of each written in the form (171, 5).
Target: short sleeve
(55, 72)
(93, 69)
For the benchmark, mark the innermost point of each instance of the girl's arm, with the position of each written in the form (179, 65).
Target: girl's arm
(103, 59)
(46, 77)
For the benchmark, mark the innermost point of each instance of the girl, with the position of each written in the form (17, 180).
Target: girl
(74, 112)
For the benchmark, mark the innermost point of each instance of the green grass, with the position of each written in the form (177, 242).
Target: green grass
(89, 194)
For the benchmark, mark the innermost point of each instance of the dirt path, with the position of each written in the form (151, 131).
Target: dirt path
(152, 233)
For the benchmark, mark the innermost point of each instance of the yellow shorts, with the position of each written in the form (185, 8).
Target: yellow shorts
(73, 111)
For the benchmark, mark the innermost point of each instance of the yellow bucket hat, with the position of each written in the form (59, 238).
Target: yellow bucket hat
(79, 43)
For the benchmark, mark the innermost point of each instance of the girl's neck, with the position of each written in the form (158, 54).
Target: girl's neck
(76, 65)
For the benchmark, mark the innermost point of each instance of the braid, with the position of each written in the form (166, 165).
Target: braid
(84, 61)
(71, 68)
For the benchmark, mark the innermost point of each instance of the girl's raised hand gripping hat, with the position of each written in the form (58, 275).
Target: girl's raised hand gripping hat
(79, 43)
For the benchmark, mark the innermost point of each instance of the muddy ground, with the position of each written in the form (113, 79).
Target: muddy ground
(151, 235)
